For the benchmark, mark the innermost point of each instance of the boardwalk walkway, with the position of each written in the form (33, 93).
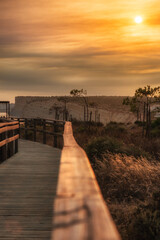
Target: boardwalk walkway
(28, 182)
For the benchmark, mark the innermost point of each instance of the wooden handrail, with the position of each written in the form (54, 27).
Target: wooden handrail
(79, 209)
(8, 128)
(8, 123)
(47, 119)
(8, 139)
(32, 124)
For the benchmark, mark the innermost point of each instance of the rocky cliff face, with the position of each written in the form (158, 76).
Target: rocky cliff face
(103, 109)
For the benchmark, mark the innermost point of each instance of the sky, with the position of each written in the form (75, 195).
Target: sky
(48, 47)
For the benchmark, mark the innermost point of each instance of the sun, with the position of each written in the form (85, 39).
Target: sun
(138, 19)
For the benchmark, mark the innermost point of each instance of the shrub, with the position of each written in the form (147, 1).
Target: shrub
(145, 224)
(155, 128)
(140, 123)
(156, 123)
(99, 146)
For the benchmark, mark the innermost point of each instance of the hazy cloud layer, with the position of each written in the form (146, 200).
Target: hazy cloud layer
(49, 47)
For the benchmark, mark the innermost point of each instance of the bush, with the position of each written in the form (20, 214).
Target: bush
(156, 123)
(155, 128)
(140, 123)
(145, 224)
(155, 132)
(101, 145)
(115, 127)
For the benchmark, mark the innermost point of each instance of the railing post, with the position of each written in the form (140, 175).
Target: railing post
(55, 136)
(8, 140)
(34, 124)
(44, 131)
(10, 145)
(26, 124)
(16, 141)
(3, 150)
(19, 130)
(90, 119)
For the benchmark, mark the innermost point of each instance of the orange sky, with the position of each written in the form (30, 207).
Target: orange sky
(49, 47)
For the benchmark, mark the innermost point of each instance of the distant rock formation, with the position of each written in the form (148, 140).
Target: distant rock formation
(101, 108)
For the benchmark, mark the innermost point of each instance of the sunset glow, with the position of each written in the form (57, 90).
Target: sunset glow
(96, 45)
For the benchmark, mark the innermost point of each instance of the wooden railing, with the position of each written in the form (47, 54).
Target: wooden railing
(79, 210)
(46, 127)
(8, 139)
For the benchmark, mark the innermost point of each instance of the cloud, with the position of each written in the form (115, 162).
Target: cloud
(60, 45)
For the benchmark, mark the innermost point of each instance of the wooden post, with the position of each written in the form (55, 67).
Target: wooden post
(34, 125)
(96, 116)
(55, 136)
(3, 150)
(16, 141)
(90, 117)
(26, 124)
(6, 110)
(10, 145)
(44, 131)
(99, 117)
(9, 109)
(66, 115)
(19, 130)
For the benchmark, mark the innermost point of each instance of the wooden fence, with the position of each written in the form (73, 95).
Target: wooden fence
(46, 127)
(79, 210)
(8, 139)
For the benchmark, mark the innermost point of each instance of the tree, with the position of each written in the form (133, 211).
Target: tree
(82, 94)
(65, 100)
(141, 103)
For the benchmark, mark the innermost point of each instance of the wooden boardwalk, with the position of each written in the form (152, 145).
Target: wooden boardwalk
(28, 183)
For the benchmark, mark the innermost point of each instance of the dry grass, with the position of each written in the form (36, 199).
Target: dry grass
(136, 178)
(129, 186)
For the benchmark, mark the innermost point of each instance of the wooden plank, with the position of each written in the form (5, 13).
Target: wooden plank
(5, 129)
(8, 140)
(79, 211)
(28, 183)
(8, 123)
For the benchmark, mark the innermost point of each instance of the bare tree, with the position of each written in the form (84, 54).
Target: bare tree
(82, 94)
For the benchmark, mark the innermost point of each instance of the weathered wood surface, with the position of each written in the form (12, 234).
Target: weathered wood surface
(80, 212)
(38, 125)
(5, 129)
(8, 123)
(28, 182)
(8, 139)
